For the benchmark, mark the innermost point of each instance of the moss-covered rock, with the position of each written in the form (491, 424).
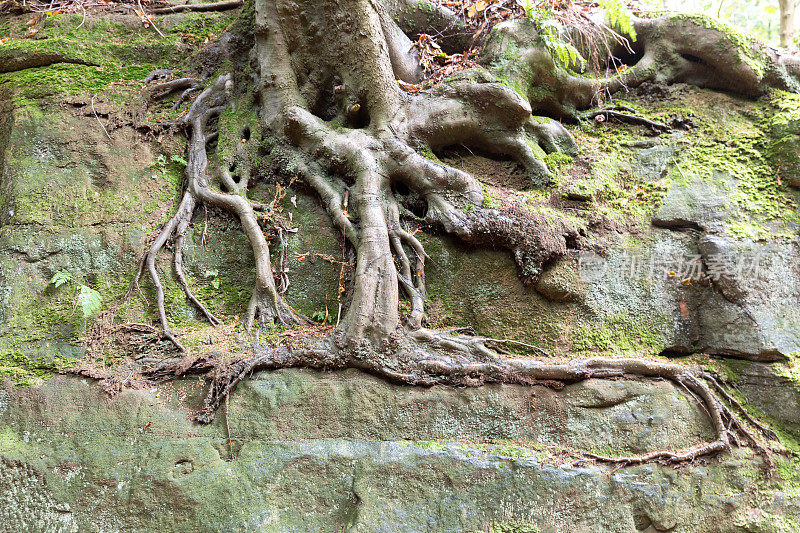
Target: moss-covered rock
(299, 451)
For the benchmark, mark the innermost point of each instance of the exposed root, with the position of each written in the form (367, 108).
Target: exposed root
(213, 6)
(360, 143)
(17, 60)
(266, 303)
(671, 49)
(425, 358)
(163, 90)
(767, 432)
(605, 114)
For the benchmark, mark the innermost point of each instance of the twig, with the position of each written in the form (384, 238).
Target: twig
(84, 16)
(149, 19)
(518, 343)
(98, 119)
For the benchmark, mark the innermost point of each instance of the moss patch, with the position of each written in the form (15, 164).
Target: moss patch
(125, 54)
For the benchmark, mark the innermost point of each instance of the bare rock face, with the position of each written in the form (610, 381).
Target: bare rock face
(299, 450)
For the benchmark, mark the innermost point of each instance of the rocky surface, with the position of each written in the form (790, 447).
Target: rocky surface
(688, 249)
(308, 451)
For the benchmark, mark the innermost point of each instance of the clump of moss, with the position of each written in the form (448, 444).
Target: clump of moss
(736, 144)
(123, 56)
(24, 371)
(618, 334)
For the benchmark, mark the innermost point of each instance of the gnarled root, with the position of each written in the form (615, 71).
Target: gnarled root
(266, 303)
(670, 49)
(425, 358)
(359, 142)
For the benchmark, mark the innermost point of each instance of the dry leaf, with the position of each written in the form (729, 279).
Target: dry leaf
(408, 87)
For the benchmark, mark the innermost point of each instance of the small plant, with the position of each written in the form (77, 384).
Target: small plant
(211, 275)
(60, 278)
(619, 16)
(179, 160)
(163, 164)
(549, 30)
(322, 316)
(89, 299)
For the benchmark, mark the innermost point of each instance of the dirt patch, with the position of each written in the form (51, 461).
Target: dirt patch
(488, 169)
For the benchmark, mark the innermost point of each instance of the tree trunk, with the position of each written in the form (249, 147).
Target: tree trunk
(787, 23)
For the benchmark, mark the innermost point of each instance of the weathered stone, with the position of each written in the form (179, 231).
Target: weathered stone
(562, 282)
(696, 204)
(652, 160)
(301, 451)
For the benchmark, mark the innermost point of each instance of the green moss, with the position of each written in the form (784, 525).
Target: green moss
(614, 188)
(124, 55)
(557, 163)
(60, 182)
(767, 207)
(743, 147)
(426, 152)
(240, 134)
(617, 334)
(24, 371)
(490, 201)
(512, 71)
(9, 441)
(732, 368)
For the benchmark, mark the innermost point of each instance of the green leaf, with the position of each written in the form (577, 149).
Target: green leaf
(211, 273)
(619, 16)
(61, 277)
(178, 159)
(90, 301)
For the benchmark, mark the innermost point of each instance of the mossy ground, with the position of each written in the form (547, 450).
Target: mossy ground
(124, 50)
(733, 145)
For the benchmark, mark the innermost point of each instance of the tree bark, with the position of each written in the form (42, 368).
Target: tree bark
(787, 10)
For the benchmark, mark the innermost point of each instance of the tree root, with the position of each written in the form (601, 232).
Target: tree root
(360, 143)
(214, 6)
(266, 303)
(17, 60)
(671, 49)
(605, 114)
(426, 358)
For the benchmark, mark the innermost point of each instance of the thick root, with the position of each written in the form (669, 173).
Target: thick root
(672, 49)
(213, 6)
(15, 60)
(426, 358)
(359, 142)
